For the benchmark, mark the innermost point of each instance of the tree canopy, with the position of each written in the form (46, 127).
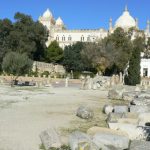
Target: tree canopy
(111, 53)
(99, 55)
(28, 37)
(6, 27)
(23, 36)
(73, 58)
(122, 48)
(16, 64)
(133, 76)
(54, 54)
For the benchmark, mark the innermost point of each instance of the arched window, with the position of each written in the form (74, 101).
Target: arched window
(88, 38)
(82, 38)
(69, 38)
(57, 38)
(63, 38)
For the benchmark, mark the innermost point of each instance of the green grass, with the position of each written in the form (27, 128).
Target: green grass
(98, 120)
(42, 147)
(63, 147)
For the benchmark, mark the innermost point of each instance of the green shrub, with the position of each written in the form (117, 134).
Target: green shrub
(63, 147)
(46, 73)
(76, 75)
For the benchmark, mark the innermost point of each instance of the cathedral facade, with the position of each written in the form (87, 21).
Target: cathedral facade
(65, 37)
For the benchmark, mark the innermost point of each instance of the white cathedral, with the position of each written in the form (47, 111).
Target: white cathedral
(65, 37)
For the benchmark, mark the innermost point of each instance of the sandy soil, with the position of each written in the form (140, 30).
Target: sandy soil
(24, 113)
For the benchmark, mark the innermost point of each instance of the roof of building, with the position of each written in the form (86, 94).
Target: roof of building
(59, 22)
(47, 14)
(125, 21)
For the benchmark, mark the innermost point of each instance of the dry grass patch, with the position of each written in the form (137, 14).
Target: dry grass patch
(98, 120)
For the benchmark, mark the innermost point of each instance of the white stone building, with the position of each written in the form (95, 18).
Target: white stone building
(145, 67)
(58, 32)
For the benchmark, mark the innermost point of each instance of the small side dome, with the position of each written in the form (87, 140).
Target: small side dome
(59, 22)
(47, 14)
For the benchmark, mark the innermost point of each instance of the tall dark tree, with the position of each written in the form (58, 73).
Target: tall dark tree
(122, 48)
(147, 49)
(73, 58)
(6, 27)
(28, 37)
(111, 54)
(16, 64)
(98, 54)
(54, 53)
(133, 76)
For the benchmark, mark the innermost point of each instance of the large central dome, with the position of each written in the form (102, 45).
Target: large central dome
(125, 21)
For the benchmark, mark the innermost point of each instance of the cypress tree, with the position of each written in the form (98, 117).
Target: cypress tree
(133, 76)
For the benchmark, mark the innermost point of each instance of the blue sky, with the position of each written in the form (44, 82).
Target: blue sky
(78, 14)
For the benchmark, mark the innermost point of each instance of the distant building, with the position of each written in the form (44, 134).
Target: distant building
(65, 37)
(145, 67)
(58, 31)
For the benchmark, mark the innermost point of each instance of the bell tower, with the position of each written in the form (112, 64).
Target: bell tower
(110, 25)
(148, 26)
(136, 22)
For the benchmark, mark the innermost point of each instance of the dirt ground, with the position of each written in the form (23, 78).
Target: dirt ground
(25, 112)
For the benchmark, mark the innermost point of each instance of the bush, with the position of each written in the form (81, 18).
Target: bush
(46, 73)
(33, 73)
(63, 147)
(76, 75)
(16, 64)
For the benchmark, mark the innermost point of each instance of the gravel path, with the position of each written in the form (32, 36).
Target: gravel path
(25, 113)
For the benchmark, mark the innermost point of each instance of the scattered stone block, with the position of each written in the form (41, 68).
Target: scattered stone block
(137, 89)
(140, 101)
(87, 83)
(120, 109)
(50, 139)
(129, 96)
(131, 118)
(144, 118)
(81, 141)
(133, 131)
(108, 109)
(93, 130)
(139, 145)
(139, 108)
(84, 112)
(116, 94)
(113, 117)
(145, 95)
(112, 140)
(95, 86)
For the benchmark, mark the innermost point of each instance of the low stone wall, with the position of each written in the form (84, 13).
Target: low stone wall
(40, 81)
(51, 68)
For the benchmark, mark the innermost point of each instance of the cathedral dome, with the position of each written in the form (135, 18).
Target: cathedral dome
(59, 22)
(125, 21)
(47, 14)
